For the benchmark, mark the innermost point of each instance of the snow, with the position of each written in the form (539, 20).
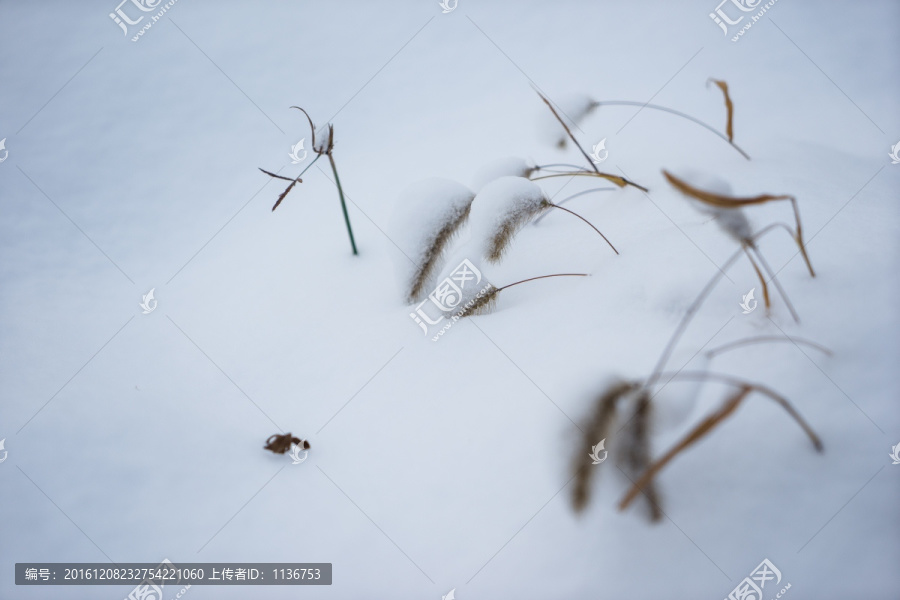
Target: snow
(510, 166)
(433, 466)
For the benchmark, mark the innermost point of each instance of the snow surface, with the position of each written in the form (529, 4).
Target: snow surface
(135, 437)
(510, 166)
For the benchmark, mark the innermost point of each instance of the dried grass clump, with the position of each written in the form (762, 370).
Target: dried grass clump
(727, 212)
(729, 405)
(324, 147)
(510, 203)
(634, 446)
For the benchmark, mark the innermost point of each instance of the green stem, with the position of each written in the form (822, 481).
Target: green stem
(337, 181)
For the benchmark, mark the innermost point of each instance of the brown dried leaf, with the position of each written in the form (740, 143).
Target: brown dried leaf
(729, 105)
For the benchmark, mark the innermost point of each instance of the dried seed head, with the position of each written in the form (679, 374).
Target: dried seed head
(597, 429)
(501, 209)
(428, 215)
(636, 449)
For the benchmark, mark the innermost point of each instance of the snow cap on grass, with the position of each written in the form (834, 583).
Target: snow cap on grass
(501, 209)
(502, 167)
(732, 220)
(427, 216)
(572, 109)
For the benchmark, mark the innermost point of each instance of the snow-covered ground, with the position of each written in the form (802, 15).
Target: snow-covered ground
(435, 466)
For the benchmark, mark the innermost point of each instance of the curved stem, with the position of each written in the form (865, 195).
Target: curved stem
(541, 167)
(761, 339)
(692, 309)
(318, 156)
(586, 221)
(543, 277)
(774, 280)
(674, 112)
(619, 181)
(312, 128)
(740, 383)
(573, 196)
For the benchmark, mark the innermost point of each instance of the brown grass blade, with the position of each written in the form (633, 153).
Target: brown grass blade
(275, 176)
(740, 383)
(620, 181)
(702, 429)
(285, 192)
(729, 106)
(723, 201)
(720, 200)
(762, 280)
